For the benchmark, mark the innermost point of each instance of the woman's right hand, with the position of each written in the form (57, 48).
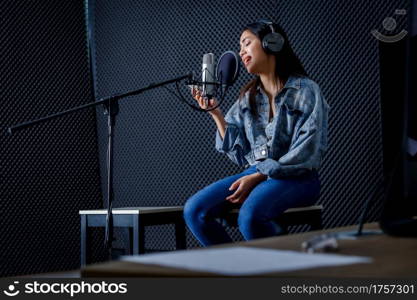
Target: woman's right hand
(204, 103)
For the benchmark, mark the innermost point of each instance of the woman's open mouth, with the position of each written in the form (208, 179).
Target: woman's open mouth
(247, 60)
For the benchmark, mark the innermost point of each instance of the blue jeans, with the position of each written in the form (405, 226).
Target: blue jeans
(266, 202)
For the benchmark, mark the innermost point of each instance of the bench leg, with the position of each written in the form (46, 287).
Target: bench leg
(138, 235)
(84, 243)
(180, 238)
(316, 224)
(128, 234)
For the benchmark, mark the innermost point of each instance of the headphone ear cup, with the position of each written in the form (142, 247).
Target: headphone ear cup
(273, 42)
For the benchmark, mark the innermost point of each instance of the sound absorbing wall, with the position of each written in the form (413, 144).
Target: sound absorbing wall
(50, 171)
(164, 152)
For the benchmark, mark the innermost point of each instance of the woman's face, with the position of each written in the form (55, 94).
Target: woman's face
(253, 56)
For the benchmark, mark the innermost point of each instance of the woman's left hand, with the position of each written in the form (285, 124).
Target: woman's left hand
(244, 186)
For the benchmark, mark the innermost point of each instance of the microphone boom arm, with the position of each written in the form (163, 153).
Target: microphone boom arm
(111, 110)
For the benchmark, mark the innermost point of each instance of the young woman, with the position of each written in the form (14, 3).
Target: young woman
(278, 128)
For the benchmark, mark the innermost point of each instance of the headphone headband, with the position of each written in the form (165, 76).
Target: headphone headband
(268, 23)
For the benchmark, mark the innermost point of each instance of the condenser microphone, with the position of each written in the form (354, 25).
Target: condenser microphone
(207, 76)
(215, 82)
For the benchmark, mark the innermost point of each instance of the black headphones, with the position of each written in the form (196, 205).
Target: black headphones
(272, 42)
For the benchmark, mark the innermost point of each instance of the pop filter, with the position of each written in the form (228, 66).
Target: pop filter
(227, 70)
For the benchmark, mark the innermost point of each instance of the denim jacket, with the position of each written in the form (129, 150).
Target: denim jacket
(292, 143)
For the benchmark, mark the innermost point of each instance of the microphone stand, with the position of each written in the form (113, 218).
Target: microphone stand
(111, 106)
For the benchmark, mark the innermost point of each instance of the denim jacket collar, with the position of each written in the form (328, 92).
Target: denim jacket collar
(292, 82)
(244, 103)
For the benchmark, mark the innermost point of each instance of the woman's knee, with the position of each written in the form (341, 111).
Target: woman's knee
(207, 201)
(248, 219)
(192, 210)
(199, 206)
(255, 225)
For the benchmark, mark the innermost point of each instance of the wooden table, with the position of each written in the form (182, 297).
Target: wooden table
(393, 257)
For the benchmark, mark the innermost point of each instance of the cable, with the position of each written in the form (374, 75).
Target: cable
(182, 98)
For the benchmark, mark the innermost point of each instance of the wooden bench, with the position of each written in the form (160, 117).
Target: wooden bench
(136, 218)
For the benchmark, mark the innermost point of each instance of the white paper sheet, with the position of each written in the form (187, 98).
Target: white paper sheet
(244, 260)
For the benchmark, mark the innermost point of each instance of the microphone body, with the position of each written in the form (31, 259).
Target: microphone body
(207, 76)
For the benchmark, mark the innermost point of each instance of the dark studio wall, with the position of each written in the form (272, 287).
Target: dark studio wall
(50, 171)
(165, 151)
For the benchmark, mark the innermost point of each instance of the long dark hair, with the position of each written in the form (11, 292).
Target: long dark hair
(287, 62)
